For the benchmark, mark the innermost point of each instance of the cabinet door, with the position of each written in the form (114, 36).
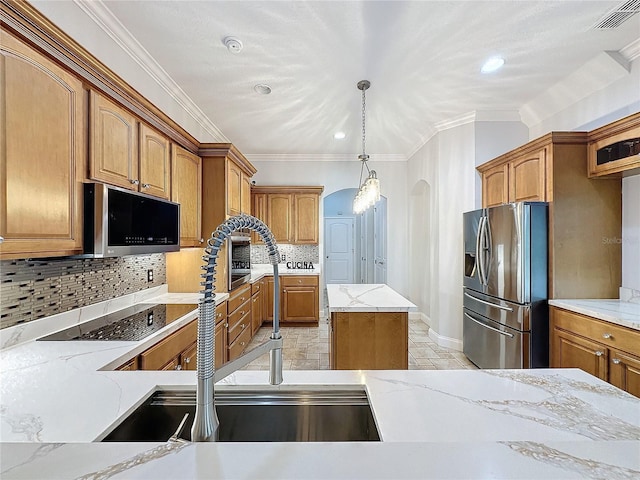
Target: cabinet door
(113, 144)
(572, 351)
(186, 189)
(624, 372)
(256, 312)
(245, 194)
(154, 162)
(259, 210)
(221, 344)
(188, 358)
(174, 364)
(42, 159)
(234, 188)
(268, 299)
(495, 186)
(305, 221)
(527, 178)
(300, 304)
(279, 217)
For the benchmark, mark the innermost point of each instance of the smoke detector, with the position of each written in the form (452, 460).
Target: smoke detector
(233, 44)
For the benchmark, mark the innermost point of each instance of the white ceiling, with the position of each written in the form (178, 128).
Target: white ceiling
(423, 59)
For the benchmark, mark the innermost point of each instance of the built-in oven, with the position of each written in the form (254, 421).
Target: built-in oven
(239, 247)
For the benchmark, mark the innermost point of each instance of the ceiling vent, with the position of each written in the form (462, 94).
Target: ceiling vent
(618, 15)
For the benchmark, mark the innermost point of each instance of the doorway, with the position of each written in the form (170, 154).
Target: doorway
(355, 246)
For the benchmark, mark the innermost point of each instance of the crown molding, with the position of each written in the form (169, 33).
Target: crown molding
(104, 18)
(631, 51)
(322, 157)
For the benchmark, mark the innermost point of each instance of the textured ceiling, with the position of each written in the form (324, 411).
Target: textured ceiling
(423, 59)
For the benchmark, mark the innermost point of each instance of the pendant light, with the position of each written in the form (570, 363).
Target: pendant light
(369, 191)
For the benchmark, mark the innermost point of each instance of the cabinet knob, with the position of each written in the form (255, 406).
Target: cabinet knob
(284, 291)
(242, 326)
(202, 240)
(134, 182)
(1, 239)
(242, 344)
(241, 312)
(599, 353)
(616, 361)
(178, 367)
(187, 360)
(145, 185)
(607, 336)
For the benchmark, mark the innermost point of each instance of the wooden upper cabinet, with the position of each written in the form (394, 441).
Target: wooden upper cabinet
(234, 189)
(258, 210)
(245, 194)
(279, 216)
(113, 144)
(43, 159)
(154, 162)
(615, 148)
(186, 189)
(495, 186)
(290, 212)
(305, 220)
(527, 178)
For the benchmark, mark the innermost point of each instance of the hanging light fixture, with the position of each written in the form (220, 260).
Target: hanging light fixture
(369, 191)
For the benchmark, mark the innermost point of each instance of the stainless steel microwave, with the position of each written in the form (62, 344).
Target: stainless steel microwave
(119, 222)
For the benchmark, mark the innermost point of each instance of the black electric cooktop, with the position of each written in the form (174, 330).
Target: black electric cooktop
(129, 324)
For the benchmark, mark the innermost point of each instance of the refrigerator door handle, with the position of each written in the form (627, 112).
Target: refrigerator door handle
(479, 252)
(506, 334)
(508, 309)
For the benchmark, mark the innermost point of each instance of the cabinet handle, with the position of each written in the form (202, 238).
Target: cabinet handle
(178, 367)
(616, 361)
(599, 353)
(187, 360)
(219, 314)
(145, 185)
(1, 239)
(242, 326)
(134, 182)
(242, 312)
(607, 336)
(242, 344)
(242, 299)
(202, 240)
(284, 291)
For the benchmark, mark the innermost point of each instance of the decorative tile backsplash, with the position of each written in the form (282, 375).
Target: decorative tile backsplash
(32, 289)
(291, 253)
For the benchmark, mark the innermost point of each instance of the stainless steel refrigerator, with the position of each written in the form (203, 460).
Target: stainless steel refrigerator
(505, 313)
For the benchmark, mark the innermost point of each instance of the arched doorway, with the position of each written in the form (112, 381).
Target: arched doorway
(355, 246)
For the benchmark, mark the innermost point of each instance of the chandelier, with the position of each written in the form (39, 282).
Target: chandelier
(369, 191)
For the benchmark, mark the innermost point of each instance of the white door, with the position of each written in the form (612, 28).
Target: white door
(380, 241)
(338, 242)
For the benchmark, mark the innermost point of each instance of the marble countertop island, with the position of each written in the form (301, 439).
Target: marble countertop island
(58, 398)
(366, 298)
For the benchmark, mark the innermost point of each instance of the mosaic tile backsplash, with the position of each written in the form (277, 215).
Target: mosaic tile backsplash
(291, 253)
(32, 289)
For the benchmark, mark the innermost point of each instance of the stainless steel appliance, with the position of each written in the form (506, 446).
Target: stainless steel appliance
(120, 222)
(505, 313)
(239, 249)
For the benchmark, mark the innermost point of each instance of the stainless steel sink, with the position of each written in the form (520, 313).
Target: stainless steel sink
(257, 416)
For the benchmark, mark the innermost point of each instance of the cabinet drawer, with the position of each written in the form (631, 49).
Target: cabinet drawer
(256, 287)
(157, 356)
(241, 323)
(297, 280)
(221, 312)
(237, 347)
(600, 331)
(238, 297)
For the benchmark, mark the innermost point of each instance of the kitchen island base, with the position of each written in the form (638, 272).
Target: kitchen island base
(369, 341)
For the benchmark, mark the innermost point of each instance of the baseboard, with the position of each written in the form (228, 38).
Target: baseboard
(441, 340)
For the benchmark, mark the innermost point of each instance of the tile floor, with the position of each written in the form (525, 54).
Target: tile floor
(307, 348)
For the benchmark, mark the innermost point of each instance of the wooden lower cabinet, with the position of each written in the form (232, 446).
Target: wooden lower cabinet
(605, 350)
(299, 299)
(221, 353)
(257, 310)
(369, 341)
(239, 321)
(130, 365)
(171, 352)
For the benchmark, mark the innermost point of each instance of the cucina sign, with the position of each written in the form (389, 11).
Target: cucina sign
(300, 265)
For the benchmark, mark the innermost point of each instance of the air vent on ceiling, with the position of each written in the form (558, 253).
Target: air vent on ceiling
(618, 15)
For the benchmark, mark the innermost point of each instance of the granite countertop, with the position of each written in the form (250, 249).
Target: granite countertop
(366, 298)
(626, 314)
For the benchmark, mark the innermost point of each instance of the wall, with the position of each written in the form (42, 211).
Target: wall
(631, 232)
(336, 176)
(32, 289)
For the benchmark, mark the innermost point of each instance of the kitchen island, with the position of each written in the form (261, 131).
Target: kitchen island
(58, 399)
(369, 327)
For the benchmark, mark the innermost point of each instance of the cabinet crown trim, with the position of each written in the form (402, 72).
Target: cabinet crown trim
(287, 189)
(230, 151)
(619, 126)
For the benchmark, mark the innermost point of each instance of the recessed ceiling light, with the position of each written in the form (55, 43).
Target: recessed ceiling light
(262, 89)
(493, 64)
(339, 135)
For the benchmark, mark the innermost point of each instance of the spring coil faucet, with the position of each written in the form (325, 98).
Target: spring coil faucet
(205, 425)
